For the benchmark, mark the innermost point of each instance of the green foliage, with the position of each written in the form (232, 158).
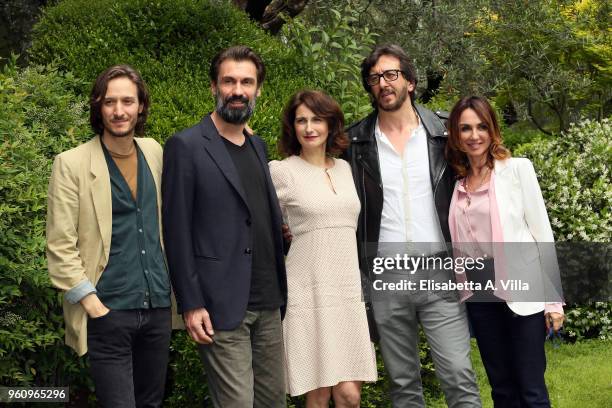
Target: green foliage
(589, 321)
(187, 386)
(332, 53)
(546, 59)
(549, 60)
(40, 117)
(171, 43)
(574, 173)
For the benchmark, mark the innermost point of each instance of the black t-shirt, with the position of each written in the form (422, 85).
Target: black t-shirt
(265, 288)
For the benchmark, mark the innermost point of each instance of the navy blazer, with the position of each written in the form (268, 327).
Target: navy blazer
(207, 225)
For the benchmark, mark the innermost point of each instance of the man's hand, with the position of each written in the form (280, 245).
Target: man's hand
(554, 320)
(198, 325)
(94, 306)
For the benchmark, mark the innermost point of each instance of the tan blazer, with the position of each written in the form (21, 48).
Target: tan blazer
(79, 224)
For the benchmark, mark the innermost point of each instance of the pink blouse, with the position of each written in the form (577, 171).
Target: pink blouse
(474, 221)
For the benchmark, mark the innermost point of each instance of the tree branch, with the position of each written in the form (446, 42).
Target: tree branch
(532, 117)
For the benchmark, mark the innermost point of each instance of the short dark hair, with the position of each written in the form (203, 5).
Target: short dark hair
(98, 92)
(396, 51)
(237, 53)
(322, 105)
(456, 157)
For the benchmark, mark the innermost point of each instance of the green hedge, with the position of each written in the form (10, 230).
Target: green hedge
(43, 112)
(574, 173)
(40, 117)
(171, 43)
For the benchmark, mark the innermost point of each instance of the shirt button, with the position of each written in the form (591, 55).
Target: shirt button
(145, 303)
(146, 293)
(140, 230)
(143, 252)
(247, 250)
(138, 209)
(146, 271)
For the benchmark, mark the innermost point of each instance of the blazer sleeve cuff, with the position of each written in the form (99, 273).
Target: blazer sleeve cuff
(82, 289)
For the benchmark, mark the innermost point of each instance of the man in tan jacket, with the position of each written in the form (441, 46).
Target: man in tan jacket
(104, 246)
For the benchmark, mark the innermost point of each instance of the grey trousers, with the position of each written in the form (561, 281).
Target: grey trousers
(244, 366)
(445, 325)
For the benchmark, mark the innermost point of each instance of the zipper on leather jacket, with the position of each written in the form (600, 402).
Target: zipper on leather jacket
(439, 178)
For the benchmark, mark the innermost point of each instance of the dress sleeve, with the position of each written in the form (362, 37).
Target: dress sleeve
(283, 184)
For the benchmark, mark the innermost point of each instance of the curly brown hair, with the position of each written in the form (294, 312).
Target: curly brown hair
(322, 105)
(455, 156)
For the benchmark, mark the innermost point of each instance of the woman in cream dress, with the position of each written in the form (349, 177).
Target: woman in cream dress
(328, 352)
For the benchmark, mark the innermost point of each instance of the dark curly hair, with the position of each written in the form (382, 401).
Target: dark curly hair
(322, 105)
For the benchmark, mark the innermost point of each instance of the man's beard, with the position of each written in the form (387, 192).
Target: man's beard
(401, 98)
(236, 116)
(124, 133)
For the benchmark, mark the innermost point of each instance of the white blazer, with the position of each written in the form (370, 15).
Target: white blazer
(518, 215)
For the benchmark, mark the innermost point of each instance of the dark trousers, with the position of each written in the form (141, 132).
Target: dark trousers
(128, 355)
(512, 351)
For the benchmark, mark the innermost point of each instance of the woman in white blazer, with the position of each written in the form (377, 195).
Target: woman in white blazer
(497, 213)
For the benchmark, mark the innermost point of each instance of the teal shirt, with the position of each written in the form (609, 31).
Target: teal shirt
(136, 276)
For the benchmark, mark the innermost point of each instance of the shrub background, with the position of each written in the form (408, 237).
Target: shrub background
(41, 116)
(171, 43)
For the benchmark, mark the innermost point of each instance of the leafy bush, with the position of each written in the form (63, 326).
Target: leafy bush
(171, 43)
(333, 51)
(590, 321)
(40, 117)
(574, 174)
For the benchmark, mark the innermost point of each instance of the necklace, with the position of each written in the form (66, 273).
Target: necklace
(122, 155)
(466, 185)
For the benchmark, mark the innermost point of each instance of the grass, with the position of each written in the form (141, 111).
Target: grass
(577, 375)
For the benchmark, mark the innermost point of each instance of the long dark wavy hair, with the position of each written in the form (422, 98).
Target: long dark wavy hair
(455, 156)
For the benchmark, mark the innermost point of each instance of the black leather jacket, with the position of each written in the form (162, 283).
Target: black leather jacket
(362, 155)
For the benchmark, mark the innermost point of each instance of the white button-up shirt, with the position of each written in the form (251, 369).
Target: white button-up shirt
(409, 212)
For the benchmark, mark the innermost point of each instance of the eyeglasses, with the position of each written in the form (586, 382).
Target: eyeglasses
(389, 75)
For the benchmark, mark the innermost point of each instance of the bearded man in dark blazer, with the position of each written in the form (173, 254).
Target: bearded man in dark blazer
(224, 240)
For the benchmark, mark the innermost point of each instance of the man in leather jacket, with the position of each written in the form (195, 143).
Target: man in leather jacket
(405, 187)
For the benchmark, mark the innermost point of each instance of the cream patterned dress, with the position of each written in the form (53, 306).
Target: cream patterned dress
(325, 330)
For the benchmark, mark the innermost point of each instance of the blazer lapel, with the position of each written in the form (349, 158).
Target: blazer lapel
(101, 194)
(502, 185)
(218, 152)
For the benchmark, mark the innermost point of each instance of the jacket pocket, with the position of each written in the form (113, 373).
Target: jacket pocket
(207, 258)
